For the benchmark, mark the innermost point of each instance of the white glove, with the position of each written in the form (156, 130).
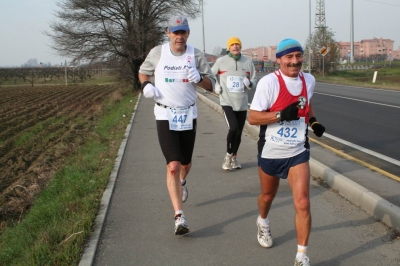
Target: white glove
(218, 89)
(149, 91)
(246, 82)
(193, 75)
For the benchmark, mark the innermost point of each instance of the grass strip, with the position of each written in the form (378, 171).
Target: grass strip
(387, 78)
(57, 226)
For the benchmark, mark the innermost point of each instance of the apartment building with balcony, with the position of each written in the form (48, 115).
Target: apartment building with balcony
(370, 48)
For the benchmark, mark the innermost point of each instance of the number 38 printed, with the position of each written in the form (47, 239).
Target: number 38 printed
(287, 132)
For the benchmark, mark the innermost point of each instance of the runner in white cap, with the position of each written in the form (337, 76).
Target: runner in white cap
(177, 69)
(282, 107)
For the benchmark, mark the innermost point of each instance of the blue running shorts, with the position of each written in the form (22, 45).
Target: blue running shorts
(280, 167)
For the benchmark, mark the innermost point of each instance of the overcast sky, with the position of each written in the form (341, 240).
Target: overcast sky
(255, 22)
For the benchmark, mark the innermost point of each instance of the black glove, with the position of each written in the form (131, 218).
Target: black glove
(316, 127)
(290, 112)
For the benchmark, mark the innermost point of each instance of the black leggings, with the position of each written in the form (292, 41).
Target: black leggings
(235, 121)
(176, 145)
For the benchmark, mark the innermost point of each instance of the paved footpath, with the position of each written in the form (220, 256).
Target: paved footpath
(221, 210)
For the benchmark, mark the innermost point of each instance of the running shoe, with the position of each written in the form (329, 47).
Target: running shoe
(234, 163)
(181, 226)
(185, 192)
(264, 236)
(227, 162)
(304, 262)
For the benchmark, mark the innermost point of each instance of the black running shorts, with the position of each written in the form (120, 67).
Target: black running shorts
(176, 145)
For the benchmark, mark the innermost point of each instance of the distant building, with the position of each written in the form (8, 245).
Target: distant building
(261, 53)
(379, 49)
(210, 57)
(369, 48)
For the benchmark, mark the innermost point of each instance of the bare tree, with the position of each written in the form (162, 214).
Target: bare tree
(118, 31)
(3, 73)
(32, 76)
(323, 37)
(217, 50)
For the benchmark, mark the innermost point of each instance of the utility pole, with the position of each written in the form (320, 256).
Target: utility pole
(352, 33)
(309, 34)
(66, 79)
(202, 18)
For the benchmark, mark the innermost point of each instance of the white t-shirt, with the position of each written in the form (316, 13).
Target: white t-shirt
(281, 139)
(267, 90)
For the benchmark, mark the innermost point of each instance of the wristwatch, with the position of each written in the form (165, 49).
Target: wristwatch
(278, 115)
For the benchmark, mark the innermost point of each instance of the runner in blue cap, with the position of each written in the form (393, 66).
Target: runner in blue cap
(282, 108)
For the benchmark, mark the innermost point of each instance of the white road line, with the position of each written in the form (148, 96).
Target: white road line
(364, 88)
(357, 100)
(354, 146)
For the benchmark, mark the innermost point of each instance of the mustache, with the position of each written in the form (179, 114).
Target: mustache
(294, 65)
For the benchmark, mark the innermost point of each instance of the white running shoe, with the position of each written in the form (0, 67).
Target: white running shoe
(227, 162)
(264, 236)
(234, 163)
(185, 192)
(304, 262)
(181, 227)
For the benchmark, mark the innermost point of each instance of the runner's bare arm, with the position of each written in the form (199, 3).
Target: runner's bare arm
(262, 118)
(143, 77)
(311, 110)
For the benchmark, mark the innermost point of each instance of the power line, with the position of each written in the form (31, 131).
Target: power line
(381, 3)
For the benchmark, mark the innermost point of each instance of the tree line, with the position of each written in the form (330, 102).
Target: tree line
(34, 75)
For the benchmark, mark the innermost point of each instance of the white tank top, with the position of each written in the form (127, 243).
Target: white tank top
(171, 80)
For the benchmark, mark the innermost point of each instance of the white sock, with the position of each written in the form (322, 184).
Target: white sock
(179, 212)
(263, 222)
(183, 182)
(301, 252)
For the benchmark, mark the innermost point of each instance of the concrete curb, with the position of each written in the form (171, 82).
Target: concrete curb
(91, 246)
(365, 199)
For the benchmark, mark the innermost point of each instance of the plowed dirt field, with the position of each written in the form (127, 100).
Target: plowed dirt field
(39, 128)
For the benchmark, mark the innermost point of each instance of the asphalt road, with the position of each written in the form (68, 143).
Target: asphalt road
(362, 116)
(366, 117)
